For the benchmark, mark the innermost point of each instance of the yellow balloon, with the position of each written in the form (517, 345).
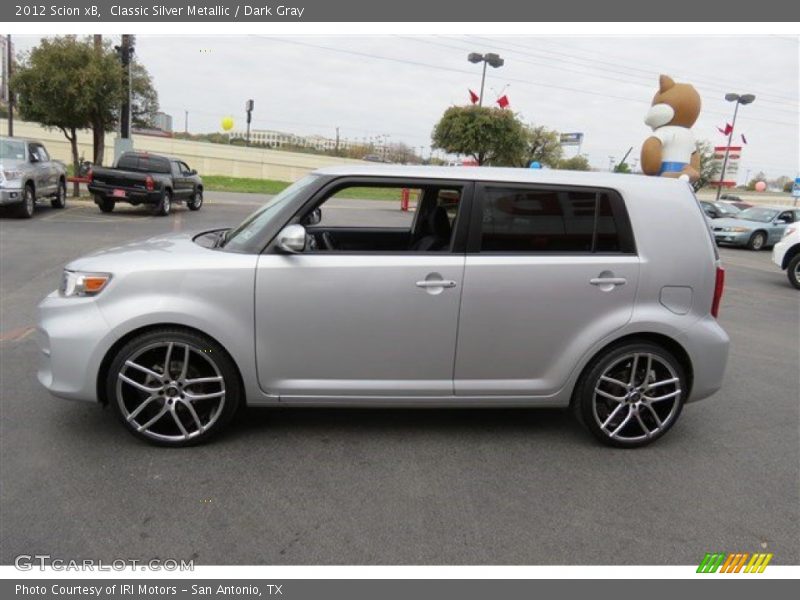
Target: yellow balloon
(227, 123)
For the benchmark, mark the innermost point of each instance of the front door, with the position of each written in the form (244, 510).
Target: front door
(357, 316)
(549, 272)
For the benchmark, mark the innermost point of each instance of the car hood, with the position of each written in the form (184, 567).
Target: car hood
(11, 163)
(728, 222)
(173, 250)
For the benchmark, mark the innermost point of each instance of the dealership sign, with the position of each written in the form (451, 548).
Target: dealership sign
(732, 166)
(571, 139)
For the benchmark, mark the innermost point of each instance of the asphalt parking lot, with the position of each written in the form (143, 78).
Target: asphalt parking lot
(328, 486)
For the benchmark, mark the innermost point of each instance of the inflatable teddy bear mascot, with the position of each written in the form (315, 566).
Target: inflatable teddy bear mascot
(670, 151)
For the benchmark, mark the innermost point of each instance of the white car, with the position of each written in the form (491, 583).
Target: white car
(786, 254)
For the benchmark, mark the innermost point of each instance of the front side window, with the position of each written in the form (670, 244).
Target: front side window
(548, 220)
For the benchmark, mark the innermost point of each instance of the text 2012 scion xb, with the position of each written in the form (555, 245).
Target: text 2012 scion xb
(497, 288)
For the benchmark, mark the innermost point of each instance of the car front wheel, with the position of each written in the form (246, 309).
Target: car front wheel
(793, 271)
(757, 240)
(27, 207)
(631, 395)
(173, 387)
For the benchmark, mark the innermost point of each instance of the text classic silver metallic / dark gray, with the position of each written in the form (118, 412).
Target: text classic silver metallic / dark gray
(498, 287)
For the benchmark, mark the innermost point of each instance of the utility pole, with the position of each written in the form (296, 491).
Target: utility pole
(9, 68)
(124, 143)
(186, 121)
(337, 142)
(248, 107)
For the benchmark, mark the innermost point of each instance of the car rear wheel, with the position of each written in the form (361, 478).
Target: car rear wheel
(60, 199)
(793, 271)
(106, 204)
(757, 240)
(27, 207)
(165, 206)
(631, 395)
(173, 387)
(196, 201)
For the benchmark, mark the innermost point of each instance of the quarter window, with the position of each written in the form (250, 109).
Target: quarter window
(549, 221)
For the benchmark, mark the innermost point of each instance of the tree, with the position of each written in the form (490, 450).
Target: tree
(144, 97)
(576, 163)
(104, 113)
(543, 146)
(760, 176)
(708, 167)
(492, 136)
(60, 84)
(788, 186)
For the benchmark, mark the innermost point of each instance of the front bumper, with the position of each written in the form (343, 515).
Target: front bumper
(73, 338)
(732, 237)
(779, 252)
(11, 196)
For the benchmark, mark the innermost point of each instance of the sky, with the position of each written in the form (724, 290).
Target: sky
(398, 86)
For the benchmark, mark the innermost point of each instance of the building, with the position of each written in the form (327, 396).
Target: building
(163, 121)
(281, 139)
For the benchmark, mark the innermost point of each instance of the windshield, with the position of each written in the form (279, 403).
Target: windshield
(726, 209)
(762, 215)
(12, 149)
(237, 238)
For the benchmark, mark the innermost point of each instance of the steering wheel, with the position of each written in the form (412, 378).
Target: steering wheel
(327, 239)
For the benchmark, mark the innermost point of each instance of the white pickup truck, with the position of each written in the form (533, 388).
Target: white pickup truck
(28, 174)
(786, 254)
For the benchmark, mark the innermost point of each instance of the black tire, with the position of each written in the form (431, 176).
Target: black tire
(207, 359)
(196, 201)
(106, 204)
(793, 271)
(757, 241)
(641, 425)
(60, 199)
(164, 207)
(27, 207)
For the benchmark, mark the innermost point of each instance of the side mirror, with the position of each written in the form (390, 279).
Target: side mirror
(193, 172)
(314, 217)
(292, 239)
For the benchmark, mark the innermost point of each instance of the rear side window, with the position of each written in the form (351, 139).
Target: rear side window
(143, 163)
(556, 221)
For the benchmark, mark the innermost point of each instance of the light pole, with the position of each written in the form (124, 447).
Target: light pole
(743, 99)
(490, 59)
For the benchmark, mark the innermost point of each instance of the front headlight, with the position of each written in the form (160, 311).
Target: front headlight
(736, 229)
(75, 283)
(12, 174)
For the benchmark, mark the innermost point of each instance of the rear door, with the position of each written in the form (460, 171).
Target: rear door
(549, 272)
(44, 171)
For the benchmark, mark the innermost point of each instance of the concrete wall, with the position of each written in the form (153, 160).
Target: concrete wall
(207, 158)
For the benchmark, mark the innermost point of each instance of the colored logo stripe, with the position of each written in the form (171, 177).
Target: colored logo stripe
(734, 562)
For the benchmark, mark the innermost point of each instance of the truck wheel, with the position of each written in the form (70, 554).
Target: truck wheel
(106, 204)
(60, 199)
(757, 240)
(196, 201)
(27, 206)
(793, 271)
(164, 207)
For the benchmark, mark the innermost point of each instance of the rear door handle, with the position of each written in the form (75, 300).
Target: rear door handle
(433, 283)
(608, 281)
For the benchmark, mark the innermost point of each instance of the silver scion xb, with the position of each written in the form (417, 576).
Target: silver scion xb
(497, 288)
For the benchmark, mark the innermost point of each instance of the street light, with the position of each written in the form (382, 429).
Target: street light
(738, 99)
(491, 59)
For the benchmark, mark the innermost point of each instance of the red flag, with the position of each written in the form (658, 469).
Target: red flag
(503, 101)
(727, 130)
(744, 139)
(473, 97)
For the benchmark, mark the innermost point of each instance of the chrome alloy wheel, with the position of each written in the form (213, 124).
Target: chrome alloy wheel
(170, 391)
(636, 397)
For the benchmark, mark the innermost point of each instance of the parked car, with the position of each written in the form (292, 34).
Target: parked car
(718, 210)
(28, 174)
(755, 228)
(741, 205)
(549, 288)
(144, 178)
(786, 254)
(730, 197)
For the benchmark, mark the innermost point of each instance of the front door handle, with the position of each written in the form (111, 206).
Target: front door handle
(608, 281)
(436, 283)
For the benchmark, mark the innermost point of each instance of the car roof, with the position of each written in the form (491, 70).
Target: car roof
(21, 139)
(502, 174)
